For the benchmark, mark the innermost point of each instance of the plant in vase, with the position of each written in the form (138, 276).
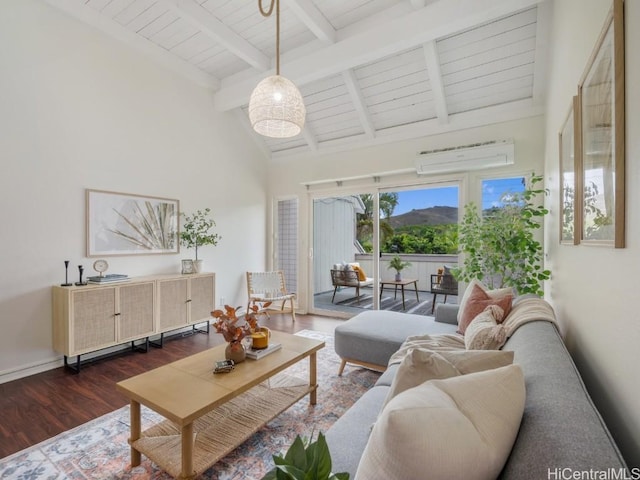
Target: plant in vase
(398, 265)
(234, 328)
(196, 232)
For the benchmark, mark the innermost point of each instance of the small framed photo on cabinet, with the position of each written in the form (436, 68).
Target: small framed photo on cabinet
(187, 266)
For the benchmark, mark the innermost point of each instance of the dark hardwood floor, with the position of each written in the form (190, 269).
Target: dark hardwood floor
(35, 408)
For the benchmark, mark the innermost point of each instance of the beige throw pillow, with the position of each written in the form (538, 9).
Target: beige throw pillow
(486, 332)
(421, 365)
(461, 427)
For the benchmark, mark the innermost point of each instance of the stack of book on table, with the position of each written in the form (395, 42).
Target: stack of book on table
(109, 278)
(257, 354)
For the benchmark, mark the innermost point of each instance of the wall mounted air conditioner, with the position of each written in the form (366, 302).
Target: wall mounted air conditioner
(496, 153)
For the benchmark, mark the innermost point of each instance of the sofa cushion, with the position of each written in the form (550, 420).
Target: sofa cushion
(485, 332)
(348, 437)
(561, 425)
(460, 427)
(448, 281)
(373, 336)
(421, 365)
(476, 298)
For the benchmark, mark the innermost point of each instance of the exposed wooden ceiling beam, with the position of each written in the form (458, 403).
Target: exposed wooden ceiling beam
(542, 49)
(358, 101)
(427, 24)
(310, 138)
(308, 14)
(201, 18)
(496, 114)
(435, 80)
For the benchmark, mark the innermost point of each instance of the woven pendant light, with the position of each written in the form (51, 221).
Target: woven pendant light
(276, 108)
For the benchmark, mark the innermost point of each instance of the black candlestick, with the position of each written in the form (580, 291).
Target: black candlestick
(80, 270)
(66, 275)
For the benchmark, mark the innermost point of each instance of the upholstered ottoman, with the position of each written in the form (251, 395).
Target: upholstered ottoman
(370, 338)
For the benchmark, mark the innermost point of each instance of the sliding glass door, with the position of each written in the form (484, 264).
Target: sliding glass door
(355, 238)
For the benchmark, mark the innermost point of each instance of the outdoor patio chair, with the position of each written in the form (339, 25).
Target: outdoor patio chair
(443, 284)
(270, 287)
(349, 277)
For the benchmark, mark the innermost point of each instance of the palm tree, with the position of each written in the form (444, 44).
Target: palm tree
(387, 202)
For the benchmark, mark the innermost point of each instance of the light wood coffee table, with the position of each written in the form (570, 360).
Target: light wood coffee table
(209, 415)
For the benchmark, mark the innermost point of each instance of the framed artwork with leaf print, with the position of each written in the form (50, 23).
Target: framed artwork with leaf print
(129, 224)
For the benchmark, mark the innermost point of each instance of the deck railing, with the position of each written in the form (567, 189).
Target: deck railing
(422, 266)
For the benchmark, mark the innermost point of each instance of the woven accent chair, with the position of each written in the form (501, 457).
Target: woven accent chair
(270, 287)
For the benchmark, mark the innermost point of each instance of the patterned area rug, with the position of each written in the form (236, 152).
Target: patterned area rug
(99, 449)
(422, 307)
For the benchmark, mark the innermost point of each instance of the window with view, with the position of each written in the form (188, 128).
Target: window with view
(501, 192)
(419, 221)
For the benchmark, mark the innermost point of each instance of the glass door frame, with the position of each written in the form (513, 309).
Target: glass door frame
(341, 192)
(459, 180)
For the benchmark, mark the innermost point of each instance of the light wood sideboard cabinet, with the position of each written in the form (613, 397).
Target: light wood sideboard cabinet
(185, 301)
(93, 317)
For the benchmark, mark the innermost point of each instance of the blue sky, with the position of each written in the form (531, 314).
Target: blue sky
(448, 196)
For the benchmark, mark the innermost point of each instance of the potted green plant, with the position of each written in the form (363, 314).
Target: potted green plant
(398, 265)
(196, 232)
(500, 247)
(305, 461)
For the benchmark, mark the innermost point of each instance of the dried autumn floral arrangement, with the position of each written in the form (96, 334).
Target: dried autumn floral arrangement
(227, 321)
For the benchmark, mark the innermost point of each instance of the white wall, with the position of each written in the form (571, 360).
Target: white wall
(287, 175)
(594, 289)
(79, 110)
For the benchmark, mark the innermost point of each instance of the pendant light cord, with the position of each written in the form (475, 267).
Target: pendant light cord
(267, 13)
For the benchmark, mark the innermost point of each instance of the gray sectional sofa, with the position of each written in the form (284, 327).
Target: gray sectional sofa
(561, 430)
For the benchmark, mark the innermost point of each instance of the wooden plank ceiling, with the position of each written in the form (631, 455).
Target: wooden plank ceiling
(370, 71)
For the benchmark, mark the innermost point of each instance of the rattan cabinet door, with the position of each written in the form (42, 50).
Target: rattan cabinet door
(173, 303)
(93, 319)
(136, 311)
(202, 296)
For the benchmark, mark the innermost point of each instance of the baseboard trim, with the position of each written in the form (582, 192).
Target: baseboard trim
(22, 371)
(31, 369)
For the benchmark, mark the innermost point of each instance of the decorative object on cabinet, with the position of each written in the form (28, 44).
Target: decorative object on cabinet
(602, 108)
(66, 275)
(129, 224)
(100, 266)
(110, 278)
(196, 232)
(80, 283)
(98, 316)
(187, 266)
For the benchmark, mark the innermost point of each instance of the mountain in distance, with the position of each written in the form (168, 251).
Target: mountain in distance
(426, 216)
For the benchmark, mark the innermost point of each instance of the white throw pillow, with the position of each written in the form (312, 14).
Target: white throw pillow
(421, 365)
(485, 332)
(460, 427)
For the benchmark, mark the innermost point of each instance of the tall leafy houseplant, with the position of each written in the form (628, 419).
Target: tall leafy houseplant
(500, 246)
(196, 230)
(305, 461)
